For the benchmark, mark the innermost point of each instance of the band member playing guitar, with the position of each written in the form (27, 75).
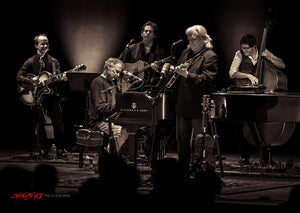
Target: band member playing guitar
(144, 53)
(141, 56)
(39, 63)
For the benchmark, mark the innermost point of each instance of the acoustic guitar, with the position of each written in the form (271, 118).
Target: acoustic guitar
(138, 68)
(203, 156)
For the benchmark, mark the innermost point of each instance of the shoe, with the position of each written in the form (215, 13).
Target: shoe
(61, 153)
(244, 161)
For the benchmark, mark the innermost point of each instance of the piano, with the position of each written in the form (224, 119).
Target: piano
(279, 111)
(139, 109)
(250, 106)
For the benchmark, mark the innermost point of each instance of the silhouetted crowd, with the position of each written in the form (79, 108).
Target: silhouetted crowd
(116, 188)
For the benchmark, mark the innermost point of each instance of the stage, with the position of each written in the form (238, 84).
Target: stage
(244, 186)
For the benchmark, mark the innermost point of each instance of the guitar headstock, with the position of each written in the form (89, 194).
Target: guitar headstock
(205, 101)
(79, 68)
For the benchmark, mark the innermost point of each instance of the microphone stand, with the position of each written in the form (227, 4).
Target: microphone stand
(116, 85)
(125, 52)
(157, 150)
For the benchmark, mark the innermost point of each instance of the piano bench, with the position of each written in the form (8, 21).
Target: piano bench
(88, 138)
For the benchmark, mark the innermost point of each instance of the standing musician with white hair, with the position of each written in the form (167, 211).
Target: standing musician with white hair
(196, 78)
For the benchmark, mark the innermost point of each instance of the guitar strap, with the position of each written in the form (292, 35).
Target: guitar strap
(53, 67)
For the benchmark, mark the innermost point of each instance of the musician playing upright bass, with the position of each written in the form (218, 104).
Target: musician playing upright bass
(49, 104)
(243, 66)
(242, 72)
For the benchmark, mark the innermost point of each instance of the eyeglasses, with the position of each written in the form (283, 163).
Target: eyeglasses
(245, 48)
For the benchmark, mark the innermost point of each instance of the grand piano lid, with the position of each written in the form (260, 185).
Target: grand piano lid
(251, 93)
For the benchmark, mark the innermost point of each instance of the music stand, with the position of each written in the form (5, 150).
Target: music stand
(80, 81)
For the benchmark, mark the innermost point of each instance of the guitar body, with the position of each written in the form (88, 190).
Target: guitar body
(203, 158)
(33, 95)
(138, 69)
(204, 145)
(135, 69)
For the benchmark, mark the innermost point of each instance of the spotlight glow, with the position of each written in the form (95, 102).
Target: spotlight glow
(90, 32)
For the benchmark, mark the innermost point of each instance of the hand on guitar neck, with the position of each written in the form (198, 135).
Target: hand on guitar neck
(38, 86)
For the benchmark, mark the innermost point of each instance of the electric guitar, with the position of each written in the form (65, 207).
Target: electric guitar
(33, 94)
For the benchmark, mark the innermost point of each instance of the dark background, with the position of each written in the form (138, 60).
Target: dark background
(90, 31)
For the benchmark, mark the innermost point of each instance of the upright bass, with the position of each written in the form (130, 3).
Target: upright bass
(274, 81)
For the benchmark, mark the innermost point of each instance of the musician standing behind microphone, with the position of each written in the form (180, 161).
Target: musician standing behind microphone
(147, 51)
(50, 104)
(194, 81)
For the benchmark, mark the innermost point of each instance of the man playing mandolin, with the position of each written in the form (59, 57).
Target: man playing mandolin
(29, 76)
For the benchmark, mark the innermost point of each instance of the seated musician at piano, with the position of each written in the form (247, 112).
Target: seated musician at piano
(102, 102)
(243, 66)
(143, 53)
(242, 71)
(197, 68)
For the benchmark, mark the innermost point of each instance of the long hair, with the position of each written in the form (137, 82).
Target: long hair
(200, 31)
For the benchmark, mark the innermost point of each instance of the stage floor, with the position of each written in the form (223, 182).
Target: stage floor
(244, 186)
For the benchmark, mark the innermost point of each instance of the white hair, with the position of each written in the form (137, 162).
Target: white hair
(200, 31)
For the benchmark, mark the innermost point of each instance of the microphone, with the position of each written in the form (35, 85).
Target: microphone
(129, 74)
(165, 68)
(130, 42)
(42, 56)
(177, 42)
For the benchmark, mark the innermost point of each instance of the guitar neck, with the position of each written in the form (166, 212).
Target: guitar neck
(164, 60)
(137, 71)
(53, 79)
(59, 76)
